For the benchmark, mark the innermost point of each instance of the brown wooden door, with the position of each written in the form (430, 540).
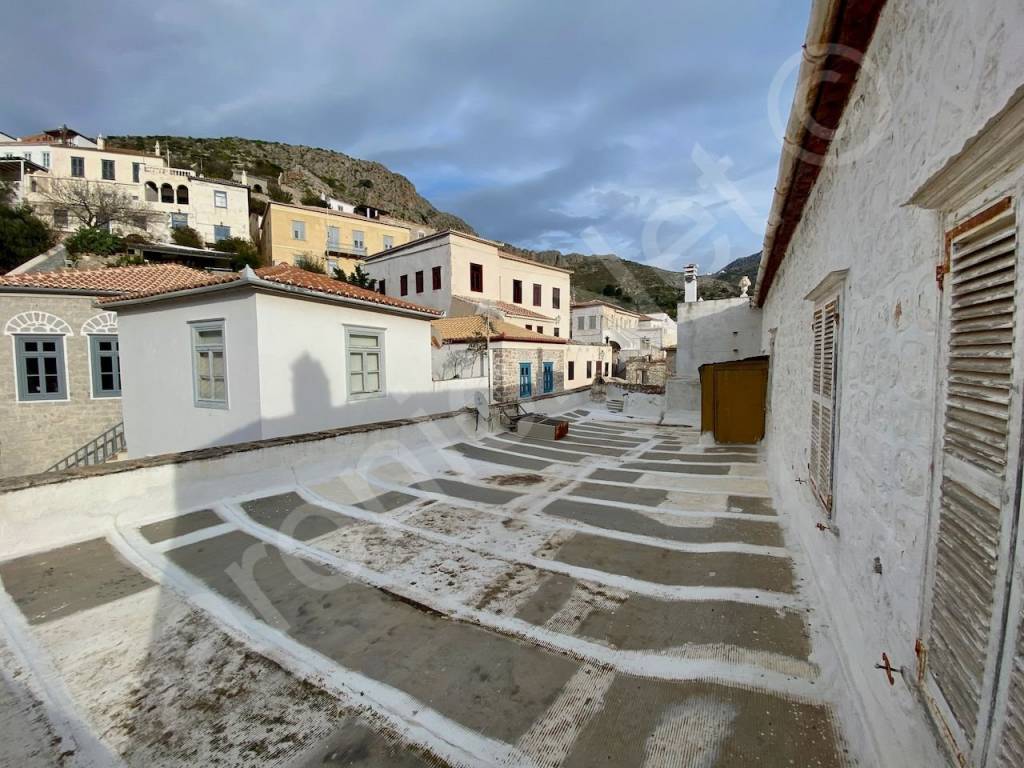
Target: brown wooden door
(739, 403)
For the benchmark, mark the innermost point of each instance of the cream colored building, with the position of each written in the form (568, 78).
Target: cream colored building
(464, 275)
(290, 232)
(630, 334)
(172, 197)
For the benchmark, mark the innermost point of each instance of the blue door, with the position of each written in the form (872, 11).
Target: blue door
(525, 380)
(549, 377)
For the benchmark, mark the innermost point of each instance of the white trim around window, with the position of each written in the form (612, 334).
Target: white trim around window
(209, 363)
(364, 362)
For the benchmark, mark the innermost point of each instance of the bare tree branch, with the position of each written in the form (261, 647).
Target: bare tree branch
(97, 204)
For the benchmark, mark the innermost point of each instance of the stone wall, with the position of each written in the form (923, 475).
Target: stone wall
(640, 370)
(935, 72)
(37, 434)
(506, 369)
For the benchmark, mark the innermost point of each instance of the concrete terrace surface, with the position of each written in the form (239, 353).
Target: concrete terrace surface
(622, 597)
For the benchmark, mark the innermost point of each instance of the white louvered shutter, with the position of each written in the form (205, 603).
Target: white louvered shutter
(823, 389)
(975, 486)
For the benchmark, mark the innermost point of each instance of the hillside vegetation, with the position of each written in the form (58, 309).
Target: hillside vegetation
(299, 170)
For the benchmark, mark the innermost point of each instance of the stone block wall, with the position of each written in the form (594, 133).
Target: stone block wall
(37, 434)
(506, 369)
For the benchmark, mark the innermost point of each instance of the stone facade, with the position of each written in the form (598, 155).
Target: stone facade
(507, 358)
(643, 370)
(38, 434)
(935, 73)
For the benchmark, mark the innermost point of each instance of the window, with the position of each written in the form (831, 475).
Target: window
(592, 322)
(403, 285)
(435, 276)
(605, 368)
(78, 166)
(179, 220)
(152, 195)
(572, 371)
(46, 159)
(382, 288)
(540, 329)
(136, 172)
(298, 230)
(590, 369)
(556, 299)
(525, 380)
(517, 291)
(209, 375)
(32, 184)
(476, 278)
(357, 239)
(40, 367)
(419, 281)
(558, 332)
(220, 199)
(333, 238)
(140, 221)
(182, 194)
(529, 327)
(579, 322)
(60, 218)
(105, 364)
(365, 358)
(824, 325)
(221, 232)
(107, 169)
(389, 242)
(166, 193)
(536, 295)
(549, 377)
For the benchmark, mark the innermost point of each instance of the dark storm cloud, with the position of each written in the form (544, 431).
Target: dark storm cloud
(570, 125)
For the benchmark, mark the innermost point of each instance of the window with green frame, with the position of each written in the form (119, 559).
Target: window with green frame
(105, 364)
(209, 374)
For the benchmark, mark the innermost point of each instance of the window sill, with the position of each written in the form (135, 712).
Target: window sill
(366, 396)
(211, 405)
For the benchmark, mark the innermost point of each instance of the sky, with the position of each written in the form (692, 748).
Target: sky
(650, 128)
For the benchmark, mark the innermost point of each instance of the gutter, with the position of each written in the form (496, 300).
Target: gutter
(826, 78)
(248, 278)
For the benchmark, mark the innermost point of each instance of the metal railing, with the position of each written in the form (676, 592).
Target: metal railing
(100, 449)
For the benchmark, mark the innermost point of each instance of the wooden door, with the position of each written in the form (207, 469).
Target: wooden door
(739, 398)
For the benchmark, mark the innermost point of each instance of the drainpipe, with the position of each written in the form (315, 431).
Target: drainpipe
(819, 33)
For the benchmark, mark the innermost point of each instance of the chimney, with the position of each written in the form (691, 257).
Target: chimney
(156, 148)
(101, 143)
(690, 283)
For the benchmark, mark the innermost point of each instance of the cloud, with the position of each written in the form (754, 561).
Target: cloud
(539, 123)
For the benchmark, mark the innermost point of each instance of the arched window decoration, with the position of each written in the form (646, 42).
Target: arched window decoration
(152, 194)
(104, 322)
(166, 193)
(36, 322)
(182, 194)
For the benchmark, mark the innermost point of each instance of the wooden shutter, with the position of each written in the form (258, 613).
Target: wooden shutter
(1011, 749)
(975, 489)
(823, 392)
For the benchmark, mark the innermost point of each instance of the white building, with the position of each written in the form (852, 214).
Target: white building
(629, 334)
(261, 355)
(889, 286)
(461, 274)
(173, 197)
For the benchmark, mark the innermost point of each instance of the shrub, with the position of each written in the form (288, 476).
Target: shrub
(257, 205)
(311, 263)
(187, 236)
(23, 236)
(94, 240)
(278, 195)
(309, 197)
(244, 252)
(127, 260)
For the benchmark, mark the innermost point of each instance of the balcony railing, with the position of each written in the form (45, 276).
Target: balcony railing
(344, 249)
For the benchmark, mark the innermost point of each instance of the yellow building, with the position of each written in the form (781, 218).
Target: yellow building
(290, 232)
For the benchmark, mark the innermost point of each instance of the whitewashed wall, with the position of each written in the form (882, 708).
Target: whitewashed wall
(947, 67)
(715, 332)
(160, 415)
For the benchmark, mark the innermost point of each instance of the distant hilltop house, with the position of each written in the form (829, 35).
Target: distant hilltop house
(629, 334)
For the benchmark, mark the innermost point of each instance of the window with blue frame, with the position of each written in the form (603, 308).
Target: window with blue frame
(549, 377)
(525, 380)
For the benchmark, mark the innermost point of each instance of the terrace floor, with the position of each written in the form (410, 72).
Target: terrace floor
(621, 597)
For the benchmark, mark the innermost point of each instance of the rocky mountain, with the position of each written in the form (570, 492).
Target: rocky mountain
(296, 170)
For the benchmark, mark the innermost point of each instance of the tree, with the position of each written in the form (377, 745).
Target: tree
(100, 241)
(23, 235)
(310, 263)
(358, 277)
(187, 236)
(279, 195)
(244, 252)
(96, 204)
(309, 197)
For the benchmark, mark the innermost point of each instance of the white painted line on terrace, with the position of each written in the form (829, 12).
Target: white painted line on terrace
(540, 519)
(628, 583)
(193, 538)
(48, 686)
(410, 718)
(758, 669)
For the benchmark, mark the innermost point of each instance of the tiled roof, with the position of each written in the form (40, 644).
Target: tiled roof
(456, 329)
(287, 275)
(535, 262)
(146, 279)
(516, 310)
